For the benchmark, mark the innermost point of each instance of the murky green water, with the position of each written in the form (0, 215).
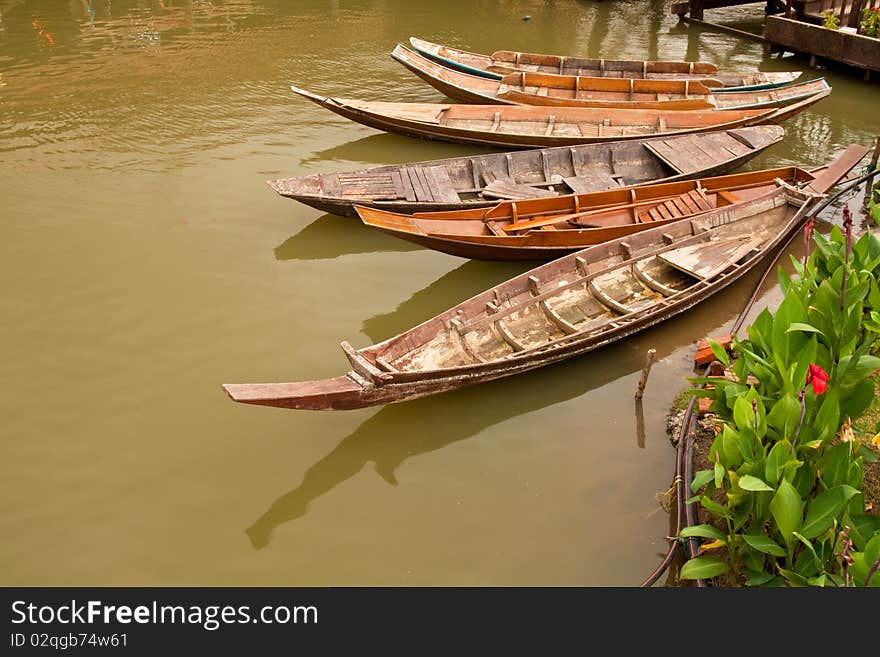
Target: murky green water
(145, 262)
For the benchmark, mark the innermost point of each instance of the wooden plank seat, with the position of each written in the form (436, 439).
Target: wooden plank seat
(705, 261)
(431, 184)
(370, 185)
(693, 202)
(504, 188)
(597, 180)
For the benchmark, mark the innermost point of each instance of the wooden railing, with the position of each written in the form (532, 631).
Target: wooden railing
(848, 12)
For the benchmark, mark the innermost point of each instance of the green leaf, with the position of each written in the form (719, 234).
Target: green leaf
(776, 460)
(719, 352)
(793, 578)
(764, 544)
(748, 482)
(862, 562)
(743, 414)
(810, 549)
(852, 373)
(702, 478)
(787, 509)
(856, 400)
(834, 578)
(834, 468)
(785, 415)
(827, 419)
(713, 507)
(807, 328)
(753, 560)
(825, 508)
(864, 526)
(730, 451)
(719, 474)
(868, 455)
(806, 356)
(759, 331)
(757, 579)
(703, 531)
(703, 568)
(819, 580)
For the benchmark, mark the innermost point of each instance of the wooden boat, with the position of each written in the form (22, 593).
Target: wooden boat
(522, 126)
(501, 62)
(571, 91)
(480, 180)
(547, 228)
(564, 308)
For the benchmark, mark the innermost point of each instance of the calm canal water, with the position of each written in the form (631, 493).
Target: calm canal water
(146, 262)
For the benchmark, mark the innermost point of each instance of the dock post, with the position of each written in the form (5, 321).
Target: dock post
(696, 10)
(646, 370)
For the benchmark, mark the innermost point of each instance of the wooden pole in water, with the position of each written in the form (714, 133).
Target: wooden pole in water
(869, 185)
(646, 370)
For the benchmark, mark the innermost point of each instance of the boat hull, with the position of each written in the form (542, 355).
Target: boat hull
(502, 63)
(307, 396)
(379, 116)
(308, 189)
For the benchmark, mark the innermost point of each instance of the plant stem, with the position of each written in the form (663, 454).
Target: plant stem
(797, 431)
(847, 225)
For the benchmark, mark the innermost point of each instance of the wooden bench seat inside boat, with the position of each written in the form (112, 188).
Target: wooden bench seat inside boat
(413, 183)
(598, 180)
(505, 188)
(704, 261)
(690, 154)
(693, 202)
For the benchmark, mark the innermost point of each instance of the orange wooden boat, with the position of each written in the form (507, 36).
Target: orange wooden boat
(564, 308)
(547, 228)
(481, 180)
(502, 62)
(524, 88)
(521, 126)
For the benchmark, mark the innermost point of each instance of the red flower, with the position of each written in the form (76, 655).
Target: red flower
(818, 378)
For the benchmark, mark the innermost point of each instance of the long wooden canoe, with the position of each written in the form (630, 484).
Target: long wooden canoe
(564, 308)
(520, 126)
(572, 91)
(498, 64)
(480, 180)
(547, 228)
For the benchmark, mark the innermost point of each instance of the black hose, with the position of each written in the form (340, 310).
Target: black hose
(679, 516)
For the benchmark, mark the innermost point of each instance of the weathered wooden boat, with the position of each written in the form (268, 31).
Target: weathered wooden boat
(480, 180)
(564, 308)
(520, 126)
(572, 91)
(501, 62)
(547, 228)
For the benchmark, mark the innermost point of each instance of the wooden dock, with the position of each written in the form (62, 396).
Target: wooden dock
(797, 26)
(695, 8)
(800, 30)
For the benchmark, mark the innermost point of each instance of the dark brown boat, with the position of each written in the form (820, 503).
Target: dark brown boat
(547, 228)
(521, 126)
(480, 180)
(572, 91)
(502, 62)
(564, 308)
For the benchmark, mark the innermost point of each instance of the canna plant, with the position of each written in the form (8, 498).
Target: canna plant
(784, 487)
(870, 23)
